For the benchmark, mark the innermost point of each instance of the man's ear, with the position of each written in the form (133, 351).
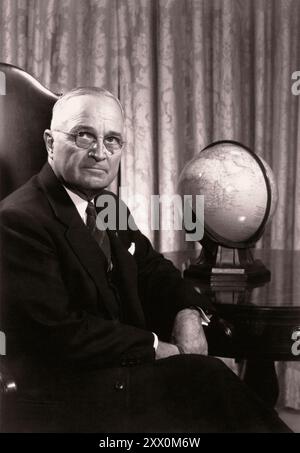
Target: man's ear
(48, 139)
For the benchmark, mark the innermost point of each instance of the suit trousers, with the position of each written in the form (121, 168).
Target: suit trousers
(180, 394)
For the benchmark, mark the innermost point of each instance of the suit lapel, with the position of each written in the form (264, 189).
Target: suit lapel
(92, 258)
(90, 254)
(127, 271)
(76, 233)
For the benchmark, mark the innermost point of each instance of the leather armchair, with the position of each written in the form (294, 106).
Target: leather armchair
(25, 112)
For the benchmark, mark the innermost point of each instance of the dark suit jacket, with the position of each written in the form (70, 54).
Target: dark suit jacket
(56, 299)
(76, 365)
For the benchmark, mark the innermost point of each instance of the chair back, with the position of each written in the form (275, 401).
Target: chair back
(25, 112)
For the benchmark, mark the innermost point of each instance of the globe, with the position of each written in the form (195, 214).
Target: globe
(239, 189)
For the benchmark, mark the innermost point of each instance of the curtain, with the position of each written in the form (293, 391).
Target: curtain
(188, 72)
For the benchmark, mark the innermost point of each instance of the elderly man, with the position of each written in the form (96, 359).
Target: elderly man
(98, 338)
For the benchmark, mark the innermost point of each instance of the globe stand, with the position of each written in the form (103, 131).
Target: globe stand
(222, 266)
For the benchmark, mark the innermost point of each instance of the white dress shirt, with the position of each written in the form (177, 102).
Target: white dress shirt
(80, 203)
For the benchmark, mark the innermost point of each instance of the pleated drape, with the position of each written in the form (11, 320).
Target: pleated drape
(188, 72)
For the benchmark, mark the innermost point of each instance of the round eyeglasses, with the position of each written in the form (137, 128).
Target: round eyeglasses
(87, 140)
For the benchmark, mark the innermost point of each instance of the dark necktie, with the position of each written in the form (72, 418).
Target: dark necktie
(102, 239)
(100, 236)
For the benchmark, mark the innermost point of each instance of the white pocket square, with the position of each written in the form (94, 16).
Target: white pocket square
(132, 248)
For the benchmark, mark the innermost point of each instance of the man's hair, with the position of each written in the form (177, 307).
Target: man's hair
(81, 91)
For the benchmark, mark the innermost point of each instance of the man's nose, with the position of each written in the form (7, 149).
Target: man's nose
(98, 151)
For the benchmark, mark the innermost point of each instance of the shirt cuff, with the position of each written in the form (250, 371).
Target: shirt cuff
(205, 319)
(155, 342)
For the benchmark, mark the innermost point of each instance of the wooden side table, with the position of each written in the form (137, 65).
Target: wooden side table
(265, 320)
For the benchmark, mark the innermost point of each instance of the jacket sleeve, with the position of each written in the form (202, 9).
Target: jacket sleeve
(39, 317)
(162, 290)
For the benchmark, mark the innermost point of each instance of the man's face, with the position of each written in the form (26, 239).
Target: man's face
(99, 116)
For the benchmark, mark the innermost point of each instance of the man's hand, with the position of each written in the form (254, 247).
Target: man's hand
(165, 350)
(188, 332)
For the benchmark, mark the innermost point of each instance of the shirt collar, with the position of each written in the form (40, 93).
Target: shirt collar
(79, 203)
